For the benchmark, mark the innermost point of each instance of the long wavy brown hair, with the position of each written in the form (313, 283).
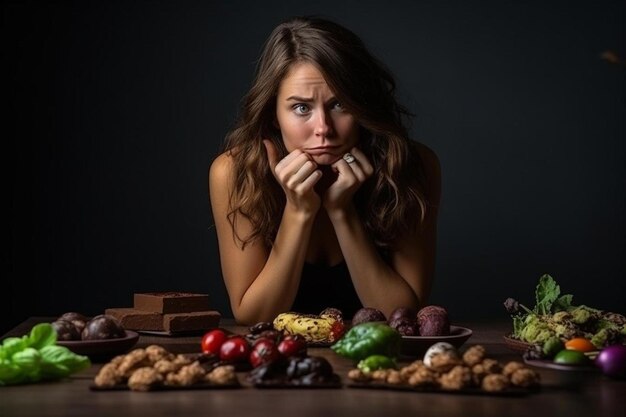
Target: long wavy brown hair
(392, 201)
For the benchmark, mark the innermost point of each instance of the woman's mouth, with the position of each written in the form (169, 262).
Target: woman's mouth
(321, 150)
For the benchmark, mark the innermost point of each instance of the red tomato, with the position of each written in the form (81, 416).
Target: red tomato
(264, 351)
(212, 341)
(235, 349)
(292, 345)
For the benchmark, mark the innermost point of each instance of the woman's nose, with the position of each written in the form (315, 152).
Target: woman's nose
(323, 124)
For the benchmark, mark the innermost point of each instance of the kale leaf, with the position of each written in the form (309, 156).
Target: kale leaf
(546, 293)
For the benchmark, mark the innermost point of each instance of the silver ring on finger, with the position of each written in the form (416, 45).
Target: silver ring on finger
(349, 158)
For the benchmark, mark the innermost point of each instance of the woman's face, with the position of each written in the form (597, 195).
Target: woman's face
(311, 119)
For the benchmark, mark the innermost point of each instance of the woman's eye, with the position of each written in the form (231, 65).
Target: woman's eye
(301, 108)
(337, 106)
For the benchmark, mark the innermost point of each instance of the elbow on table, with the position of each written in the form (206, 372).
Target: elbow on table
(249, 318)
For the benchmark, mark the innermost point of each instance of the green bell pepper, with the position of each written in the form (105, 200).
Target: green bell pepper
(368, 339)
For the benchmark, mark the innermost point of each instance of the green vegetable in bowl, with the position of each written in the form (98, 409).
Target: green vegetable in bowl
(535, 330)
(36, 357)
(555, 316)
(571, 357)
(552, 346)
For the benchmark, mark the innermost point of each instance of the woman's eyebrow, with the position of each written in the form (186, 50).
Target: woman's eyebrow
(298, 98)
(307, 99)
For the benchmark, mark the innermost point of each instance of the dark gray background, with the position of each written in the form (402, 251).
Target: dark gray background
(117, 109)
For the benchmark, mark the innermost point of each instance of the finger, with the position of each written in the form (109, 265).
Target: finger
(272, 153)
(364, 163)
(358, 172)
(303, 172)
(305, 169)
(309, 182)
(344, 169)
(291, 163)
(356, 169)
(290, 158)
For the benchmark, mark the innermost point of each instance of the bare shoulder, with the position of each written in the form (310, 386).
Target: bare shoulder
(221, 169)
(432, 171)
(429, 159)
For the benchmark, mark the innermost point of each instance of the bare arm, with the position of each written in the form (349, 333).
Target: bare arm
(406, 280)
(262, 282)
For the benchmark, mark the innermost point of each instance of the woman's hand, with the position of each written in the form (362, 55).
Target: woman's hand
(350, 177)
(297, 174)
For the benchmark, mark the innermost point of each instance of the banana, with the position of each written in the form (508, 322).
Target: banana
(324, 328)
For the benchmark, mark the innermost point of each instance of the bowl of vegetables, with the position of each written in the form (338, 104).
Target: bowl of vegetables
(557, 334)
(554, 316)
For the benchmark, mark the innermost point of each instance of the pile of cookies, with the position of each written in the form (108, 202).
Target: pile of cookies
(155, 367)
(447, 370)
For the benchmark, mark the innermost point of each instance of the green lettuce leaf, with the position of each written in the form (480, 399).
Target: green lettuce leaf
(563, 303)
(546, 293)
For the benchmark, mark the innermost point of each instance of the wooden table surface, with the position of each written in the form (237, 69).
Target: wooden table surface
(562, 394)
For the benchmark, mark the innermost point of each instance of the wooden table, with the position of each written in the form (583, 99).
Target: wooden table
(563, 393)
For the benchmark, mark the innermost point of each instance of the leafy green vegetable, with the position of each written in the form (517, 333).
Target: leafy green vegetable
(548, 297)
(554, 316)
(563, 303)
(10, 373)
(552, 346)
(518, 325)
(11, 345)
(28, 360)
(36, 357)
(60, 355)
(546, 294)
(42, 335)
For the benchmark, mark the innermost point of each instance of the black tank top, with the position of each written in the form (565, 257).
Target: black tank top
(323, 286)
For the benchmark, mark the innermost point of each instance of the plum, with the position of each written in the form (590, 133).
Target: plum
(103, 327)
(400, 312)
(65, 330)
(77, 319)
(405, 326)
(433, 321)
(367, 314)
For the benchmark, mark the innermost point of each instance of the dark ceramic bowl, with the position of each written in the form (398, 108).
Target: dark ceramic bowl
(102, 347)
(418, 345)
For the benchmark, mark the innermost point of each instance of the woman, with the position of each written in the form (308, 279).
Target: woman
(320, 199)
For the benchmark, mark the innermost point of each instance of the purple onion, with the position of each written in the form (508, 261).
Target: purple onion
(612, 361)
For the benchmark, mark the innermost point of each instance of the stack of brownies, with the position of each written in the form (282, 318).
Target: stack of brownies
(168, 312)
